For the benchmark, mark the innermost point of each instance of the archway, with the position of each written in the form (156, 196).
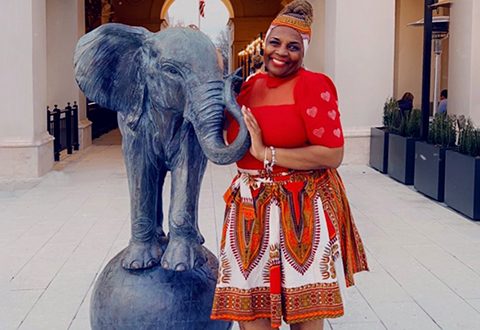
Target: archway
(216, 22)
(168, 3)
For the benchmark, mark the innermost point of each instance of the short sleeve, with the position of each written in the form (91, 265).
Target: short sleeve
(317, 100)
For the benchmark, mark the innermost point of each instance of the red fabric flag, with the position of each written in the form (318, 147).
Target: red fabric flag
(201, 8)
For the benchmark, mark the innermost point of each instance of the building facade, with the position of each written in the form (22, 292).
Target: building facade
(364, 46)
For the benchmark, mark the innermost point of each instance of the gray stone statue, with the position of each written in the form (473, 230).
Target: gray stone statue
(168, 91)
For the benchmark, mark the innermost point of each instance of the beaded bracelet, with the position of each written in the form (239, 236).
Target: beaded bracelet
(274, 160)
(269, 165)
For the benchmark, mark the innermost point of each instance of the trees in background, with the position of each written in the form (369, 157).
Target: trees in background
(223, 45)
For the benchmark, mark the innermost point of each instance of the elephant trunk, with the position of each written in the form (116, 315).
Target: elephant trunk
(207, 118)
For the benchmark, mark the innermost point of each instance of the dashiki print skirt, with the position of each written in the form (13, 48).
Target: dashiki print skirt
(289, 244)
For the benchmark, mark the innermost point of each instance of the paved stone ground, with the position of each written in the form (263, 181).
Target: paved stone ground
(57, 233)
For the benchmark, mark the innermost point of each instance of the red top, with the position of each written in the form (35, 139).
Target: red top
(292, 112)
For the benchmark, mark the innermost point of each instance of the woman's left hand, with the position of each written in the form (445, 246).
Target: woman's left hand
(257, 148)
(302, 158)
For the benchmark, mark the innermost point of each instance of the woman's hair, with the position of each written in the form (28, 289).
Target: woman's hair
(300, 9)
(257, 62)
(407, 96)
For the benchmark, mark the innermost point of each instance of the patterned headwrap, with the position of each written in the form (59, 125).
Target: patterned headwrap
(299, 16)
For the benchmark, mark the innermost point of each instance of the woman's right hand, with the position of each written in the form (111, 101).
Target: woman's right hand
(257, 149)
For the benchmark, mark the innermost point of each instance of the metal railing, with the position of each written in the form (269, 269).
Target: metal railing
(62, 124)
(103, 120)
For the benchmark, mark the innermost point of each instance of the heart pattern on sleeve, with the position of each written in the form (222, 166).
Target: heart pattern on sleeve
(337, 132)
(312, 112)
(318, 132)
(332, 114)
(325, 96)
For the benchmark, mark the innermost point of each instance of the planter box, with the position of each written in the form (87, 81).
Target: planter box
(379, 149)
(401, 158)
(462, 183)
(429, 176)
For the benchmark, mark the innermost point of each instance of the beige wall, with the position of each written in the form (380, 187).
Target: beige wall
(25, 146)
(464, 68)
(315, 58)
(408, 50)
(17, 67)
(62, 36)
(65, 25)
(359, 57)
(80, 32)
(359, 54)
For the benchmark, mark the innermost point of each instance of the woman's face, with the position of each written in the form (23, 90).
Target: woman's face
(283, 54)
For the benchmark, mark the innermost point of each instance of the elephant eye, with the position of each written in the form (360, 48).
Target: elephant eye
(171, 70)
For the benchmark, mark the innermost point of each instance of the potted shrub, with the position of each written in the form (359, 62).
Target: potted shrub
(462, 173)
(401, 147)
(429, 177)
(379, 136)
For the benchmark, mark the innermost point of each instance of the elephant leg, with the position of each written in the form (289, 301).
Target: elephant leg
(184, 250)
(144, 178)
(161, 237)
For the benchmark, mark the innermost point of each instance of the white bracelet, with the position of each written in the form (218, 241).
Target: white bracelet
(269, 166)
(266, 163)
(274, 160)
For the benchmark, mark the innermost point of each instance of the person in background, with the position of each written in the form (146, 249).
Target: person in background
(257, 65)
(406, 102)
(442, 106)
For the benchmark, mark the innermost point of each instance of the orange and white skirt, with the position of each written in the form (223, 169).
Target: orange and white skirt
(284, 246)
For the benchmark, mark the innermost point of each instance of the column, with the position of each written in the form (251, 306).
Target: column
(315, 58)
(359, 57)
(464, 61)
(65, 25)
(26, 149)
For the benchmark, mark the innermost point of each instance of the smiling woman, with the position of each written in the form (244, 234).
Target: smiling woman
(289, 242)
(283, 53)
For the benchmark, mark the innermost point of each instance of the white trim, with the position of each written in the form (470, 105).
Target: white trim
(25, 142)
(353, 132)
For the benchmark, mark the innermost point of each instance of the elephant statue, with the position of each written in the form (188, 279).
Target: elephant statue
(168, 90)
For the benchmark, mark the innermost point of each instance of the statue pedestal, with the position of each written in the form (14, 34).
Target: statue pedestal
(155, 298)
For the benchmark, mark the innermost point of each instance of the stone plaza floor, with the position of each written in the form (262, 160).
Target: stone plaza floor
(57, 233)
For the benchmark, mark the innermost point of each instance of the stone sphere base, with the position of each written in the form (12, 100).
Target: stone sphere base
(155, 299)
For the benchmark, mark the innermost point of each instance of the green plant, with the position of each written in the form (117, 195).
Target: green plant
(390, 114)
(469, 141)
(442, 131)
(414, 123)
(407, 125)
(402, 128)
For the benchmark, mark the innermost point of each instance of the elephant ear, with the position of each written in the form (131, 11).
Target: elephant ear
(110, 69)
